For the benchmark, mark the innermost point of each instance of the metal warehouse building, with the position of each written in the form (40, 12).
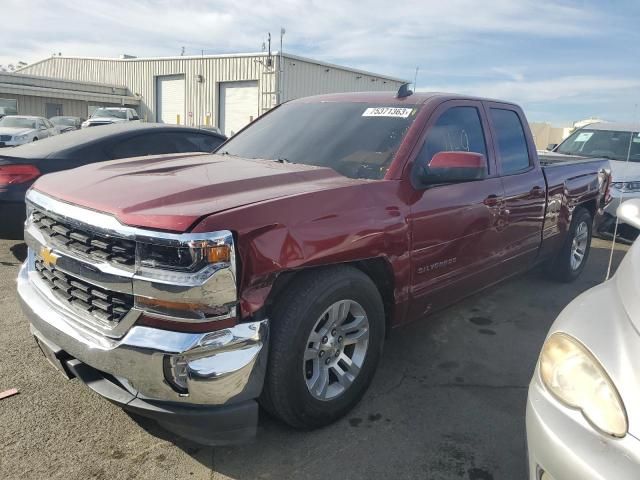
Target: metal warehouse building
(224, 90)
(50, 97)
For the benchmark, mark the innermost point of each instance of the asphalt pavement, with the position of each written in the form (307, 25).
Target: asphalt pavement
(448, 402)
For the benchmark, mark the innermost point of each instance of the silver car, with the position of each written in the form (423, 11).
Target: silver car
(583, 410)
(618, 142)
(20, 129)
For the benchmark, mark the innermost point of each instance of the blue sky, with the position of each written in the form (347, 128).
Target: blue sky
(561, 60)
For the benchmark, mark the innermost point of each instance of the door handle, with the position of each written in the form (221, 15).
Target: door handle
(492, 200)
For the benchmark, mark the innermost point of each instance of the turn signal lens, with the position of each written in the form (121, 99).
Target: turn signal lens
(14, 174)
(219, 254)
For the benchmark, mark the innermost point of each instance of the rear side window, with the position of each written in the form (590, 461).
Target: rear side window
(161, 143)
(459, 129)
(512, 143)
(196, 142)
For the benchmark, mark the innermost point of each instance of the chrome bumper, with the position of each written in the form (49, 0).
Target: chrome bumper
(226, 366)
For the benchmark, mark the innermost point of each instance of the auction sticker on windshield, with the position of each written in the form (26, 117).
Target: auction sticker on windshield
(400, 112)
(584, 136)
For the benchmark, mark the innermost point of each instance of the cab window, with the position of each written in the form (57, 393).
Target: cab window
(512, 142)
(458, 129)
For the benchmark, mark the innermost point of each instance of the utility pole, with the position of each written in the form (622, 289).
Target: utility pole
(415, 79)
(281, 69)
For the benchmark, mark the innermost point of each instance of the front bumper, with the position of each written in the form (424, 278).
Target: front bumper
(565, 446)
(225, 368)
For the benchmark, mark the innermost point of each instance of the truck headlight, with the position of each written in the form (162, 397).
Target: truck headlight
(576, 378)
(184, 268)
(189, 258)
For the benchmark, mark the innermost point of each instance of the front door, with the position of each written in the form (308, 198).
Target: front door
(455, 228)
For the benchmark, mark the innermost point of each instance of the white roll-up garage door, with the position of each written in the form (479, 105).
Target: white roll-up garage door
(170, 99)
(238, 105)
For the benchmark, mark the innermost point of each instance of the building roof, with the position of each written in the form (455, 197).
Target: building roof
(37, 86)
(226, 55)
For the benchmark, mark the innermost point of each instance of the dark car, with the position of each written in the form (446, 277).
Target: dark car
(21, 166)
(66, 124)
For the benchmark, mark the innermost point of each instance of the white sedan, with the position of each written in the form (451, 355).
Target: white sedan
(583, 410)
(17, 130)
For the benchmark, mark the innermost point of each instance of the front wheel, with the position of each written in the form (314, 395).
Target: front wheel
(572, 258)
(327, 333)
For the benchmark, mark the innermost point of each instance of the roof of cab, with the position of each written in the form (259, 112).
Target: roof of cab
(390, 98)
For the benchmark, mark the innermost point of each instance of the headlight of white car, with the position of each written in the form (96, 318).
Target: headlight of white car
(576, 378)
(633, 186)
(21, 138)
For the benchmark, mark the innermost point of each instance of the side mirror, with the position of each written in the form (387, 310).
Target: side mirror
(551, 147)
(452, 167)
(629, 212)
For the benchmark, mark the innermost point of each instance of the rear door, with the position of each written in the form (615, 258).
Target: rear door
(455, 228)
(523, 182)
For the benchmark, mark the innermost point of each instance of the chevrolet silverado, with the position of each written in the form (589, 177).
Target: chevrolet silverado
(192, 289)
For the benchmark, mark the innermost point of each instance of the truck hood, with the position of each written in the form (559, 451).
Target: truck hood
(173, 192)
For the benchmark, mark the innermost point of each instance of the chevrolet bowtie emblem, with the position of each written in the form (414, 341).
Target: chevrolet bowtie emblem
(48, 257)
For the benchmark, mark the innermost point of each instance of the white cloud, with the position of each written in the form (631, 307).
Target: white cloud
(332, 29)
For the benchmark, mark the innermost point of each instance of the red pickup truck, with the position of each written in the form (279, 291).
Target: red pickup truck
(190, 288)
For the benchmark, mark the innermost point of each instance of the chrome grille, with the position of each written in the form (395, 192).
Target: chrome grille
(86, 242)
(5, 138)
(101, 304)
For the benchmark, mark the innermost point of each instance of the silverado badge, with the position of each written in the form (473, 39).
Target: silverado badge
(48, 257)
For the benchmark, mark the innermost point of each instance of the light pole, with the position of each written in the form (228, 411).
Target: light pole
(281, 69)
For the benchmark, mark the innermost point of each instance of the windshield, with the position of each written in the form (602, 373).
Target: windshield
(66, 121)
(104, 112)
(610, 144)
(357, 140)
(16, 122)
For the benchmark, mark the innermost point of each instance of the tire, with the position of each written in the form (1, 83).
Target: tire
(35, 139)
(293, 389)
(565, 267)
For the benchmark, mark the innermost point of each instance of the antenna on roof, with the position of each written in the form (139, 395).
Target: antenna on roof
(404, 91)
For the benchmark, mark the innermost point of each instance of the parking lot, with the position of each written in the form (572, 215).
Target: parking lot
(448, 402)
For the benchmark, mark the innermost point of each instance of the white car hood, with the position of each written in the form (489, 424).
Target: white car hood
(107, 119)
(15, 131)
(625, 171)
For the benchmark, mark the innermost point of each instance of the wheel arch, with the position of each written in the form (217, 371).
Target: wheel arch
(378, 269)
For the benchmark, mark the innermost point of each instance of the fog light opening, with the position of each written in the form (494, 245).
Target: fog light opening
(175, 373)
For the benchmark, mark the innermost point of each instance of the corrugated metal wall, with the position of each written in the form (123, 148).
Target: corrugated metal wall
(31, 105)
(60, 83)
(201, 98)
(301, 78)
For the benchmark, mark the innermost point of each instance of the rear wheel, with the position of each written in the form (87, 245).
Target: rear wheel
(327, 333)
(572, 258)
